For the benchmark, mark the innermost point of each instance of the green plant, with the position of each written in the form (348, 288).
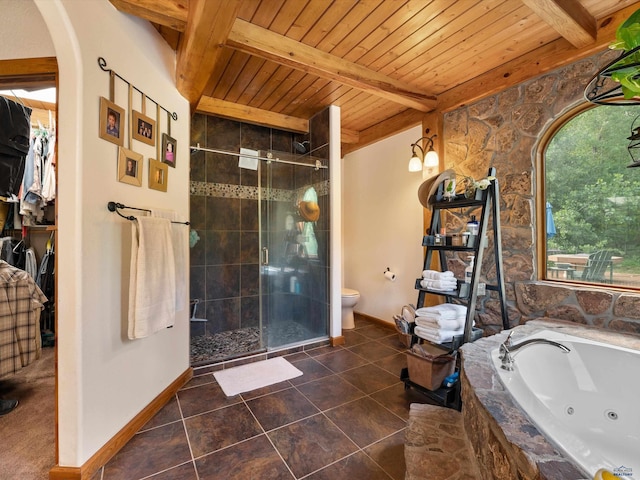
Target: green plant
(481, 184)
(626, 70)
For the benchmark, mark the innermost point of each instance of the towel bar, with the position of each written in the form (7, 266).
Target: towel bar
(115, 206)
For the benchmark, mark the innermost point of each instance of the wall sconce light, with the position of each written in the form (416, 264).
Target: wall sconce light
(429, 159)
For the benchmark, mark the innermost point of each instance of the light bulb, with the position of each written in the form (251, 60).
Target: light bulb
(431, 159)
(415, 164)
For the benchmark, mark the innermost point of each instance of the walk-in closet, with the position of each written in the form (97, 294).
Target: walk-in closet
(28, 191)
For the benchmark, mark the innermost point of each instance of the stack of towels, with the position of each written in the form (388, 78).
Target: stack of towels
(440, 323)
(441, 281)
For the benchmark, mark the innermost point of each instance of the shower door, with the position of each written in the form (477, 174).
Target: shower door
(294, 300)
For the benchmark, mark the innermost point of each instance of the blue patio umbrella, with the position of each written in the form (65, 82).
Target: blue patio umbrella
(551, 226)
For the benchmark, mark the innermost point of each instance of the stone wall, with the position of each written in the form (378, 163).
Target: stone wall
(503, 131)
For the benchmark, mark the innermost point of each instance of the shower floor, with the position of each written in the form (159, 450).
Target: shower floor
(211, 348)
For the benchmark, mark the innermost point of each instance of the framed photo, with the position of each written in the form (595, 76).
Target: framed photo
(129, 167)
(158, 175)
(111, 122)
(144, 128)
(168, 150)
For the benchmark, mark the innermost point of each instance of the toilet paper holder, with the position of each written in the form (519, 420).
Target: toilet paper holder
(389, 275)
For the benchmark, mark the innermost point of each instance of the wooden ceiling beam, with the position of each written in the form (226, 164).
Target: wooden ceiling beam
(265, 118)
(201, 46)
(170, 13)
(387, 128)
(256, 116)
(255, 40)
(567, 17)
(537, 62)
(349, 136)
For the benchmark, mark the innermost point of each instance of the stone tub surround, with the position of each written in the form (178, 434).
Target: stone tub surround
(436, 445)
(617, 311)
(506, 442)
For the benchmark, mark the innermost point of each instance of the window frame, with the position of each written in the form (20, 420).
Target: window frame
(541, 197)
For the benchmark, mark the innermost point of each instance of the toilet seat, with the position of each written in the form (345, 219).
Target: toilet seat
(348, 292)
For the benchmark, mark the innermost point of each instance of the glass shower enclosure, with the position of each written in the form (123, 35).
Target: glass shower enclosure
(260, 266)
(294, 262)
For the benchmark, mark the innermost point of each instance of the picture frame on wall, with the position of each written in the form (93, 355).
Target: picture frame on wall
(129, 167)
(144, 128)
(158, 175)
(169, 145)
(112, 122)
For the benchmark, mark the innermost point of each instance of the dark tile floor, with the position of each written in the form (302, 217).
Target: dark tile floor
(344, 418)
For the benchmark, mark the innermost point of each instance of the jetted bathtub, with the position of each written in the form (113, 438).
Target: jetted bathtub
(587, 401)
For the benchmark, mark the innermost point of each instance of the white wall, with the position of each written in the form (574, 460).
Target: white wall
(27, 38)
(382, 225)
(104, 379)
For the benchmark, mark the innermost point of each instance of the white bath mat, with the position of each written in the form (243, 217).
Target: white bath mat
(255, 375)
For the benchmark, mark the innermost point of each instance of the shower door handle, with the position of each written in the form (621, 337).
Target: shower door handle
(265, 256)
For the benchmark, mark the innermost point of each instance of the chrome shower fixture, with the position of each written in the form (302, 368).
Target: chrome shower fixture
(301, 147)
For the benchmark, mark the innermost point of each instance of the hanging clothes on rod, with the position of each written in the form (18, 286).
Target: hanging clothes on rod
(45, 281)
(49, 175)
(14, 145)
(13, 251)
(38, 184)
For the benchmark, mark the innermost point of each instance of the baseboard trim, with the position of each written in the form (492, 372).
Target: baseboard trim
(120, 439)
(375, 320)
(336, 341)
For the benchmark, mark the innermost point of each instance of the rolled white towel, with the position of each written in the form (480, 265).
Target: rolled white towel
(435, 335)
(436, 339)
(431, 322)
(437, 312)
(461, 319)
(438, 330)
(439, 284)
(436, 275)
(460, 309)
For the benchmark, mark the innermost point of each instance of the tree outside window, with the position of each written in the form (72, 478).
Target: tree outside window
(594, 198)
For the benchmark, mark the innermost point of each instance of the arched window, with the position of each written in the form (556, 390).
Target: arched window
(591, 199)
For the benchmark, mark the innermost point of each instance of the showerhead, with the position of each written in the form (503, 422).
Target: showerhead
(300, 146)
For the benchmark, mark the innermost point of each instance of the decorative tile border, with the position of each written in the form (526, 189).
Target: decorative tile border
(226, 190)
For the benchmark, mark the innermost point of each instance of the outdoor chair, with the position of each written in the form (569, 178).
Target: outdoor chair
(596, 266)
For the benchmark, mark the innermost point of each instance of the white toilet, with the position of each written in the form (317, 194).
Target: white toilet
(349, 300)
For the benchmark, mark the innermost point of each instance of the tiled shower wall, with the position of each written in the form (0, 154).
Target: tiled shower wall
(225, 262)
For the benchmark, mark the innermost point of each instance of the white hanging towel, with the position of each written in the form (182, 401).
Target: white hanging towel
(152, 285)
(180, 238)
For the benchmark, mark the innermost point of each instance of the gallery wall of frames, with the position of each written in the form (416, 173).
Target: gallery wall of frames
(128, 128)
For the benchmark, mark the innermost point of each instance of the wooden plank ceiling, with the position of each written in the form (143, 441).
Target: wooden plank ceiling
(384, 62)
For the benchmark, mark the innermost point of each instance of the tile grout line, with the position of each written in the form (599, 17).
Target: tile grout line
(337, 375)
(264, 432)
(186, 433)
